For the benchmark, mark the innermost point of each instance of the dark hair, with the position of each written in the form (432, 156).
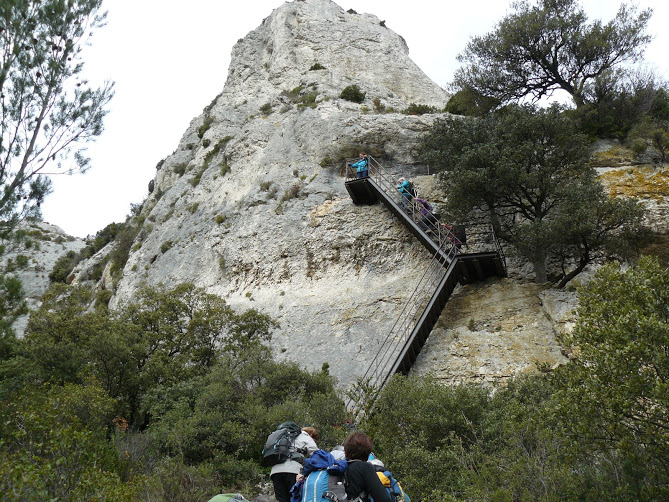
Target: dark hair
(358, 446)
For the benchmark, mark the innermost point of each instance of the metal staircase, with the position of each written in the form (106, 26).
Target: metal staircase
(455, 259)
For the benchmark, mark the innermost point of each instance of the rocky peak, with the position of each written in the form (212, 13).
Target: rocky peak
(252, 206)
(351, 48)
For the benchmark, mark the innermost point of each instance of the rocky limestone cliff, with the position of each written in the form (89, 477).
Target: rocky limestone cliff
(251, 206)
(31, 256)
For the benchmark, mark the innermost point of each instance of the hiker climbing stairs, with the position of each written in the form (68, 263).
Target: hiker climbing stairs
(455, 259)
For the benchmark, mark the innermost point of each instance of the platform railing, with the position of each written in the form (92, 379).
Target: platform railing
(443, 235)
(479, 238)
(379, 368)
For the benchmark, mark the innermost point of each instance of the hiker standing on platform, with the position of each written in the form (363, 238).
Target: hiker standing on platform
(362, 166)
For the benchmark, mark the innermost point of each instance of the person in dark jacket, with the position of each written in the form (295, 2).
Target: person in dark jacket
(361, 477)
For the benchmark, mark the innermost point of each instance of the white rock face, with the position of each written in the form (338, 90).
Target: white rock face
(46, 243)
(252, 204)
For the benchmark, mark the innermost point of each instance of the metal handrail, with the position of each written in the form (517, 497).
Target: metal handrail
(441, 234)
(449, 246)
(400, 332)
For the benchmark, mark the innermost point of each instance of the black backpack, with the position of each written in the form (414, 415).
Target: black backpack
(412, 190)
(279, 445)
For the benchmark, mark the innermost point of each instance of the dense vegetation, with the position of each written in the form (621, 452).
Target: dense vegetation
(133, 403)
(526, 170)
(171, 398)
(594, 429)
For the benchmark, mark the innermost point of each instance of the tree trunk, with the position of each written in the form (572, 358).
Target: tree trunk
(539, 264)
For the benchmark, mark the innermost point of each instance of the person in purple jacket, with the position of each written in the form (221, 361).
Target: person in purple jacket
(428, 220)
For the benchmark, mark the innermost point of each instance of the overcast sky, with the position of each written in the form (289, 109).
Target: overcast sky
(170, 59)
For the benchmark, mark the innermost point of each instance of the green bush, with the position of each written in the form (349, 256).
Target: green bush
(208, 120)
(195, 180)
(308, 100)
(124, 241)
(55, 448)
(352, 93)
(471, 103)
(103, 297)
(166, 246)
(414, 109)
(317, 66)
(266, 109)
(63, 267)
(294, 93)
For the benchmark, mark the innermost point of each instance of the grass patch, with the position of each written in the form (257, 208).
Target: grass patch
(166, 246)
(289, 194)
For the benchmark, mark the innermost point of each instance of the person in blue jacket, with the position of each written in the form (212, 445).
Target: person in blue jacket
(406, 190)
(314, 483)
(361, 166)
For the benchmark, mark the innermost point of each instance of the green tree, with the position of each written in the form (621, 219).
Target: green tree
(618, 101)
(614, 394)
(224, 417)
(47, 110)
(471, 103)
(590, 225)
(12, 304)
(164, 336)
(526, 169)
(548, 45)
(54, 446)
(651, 134)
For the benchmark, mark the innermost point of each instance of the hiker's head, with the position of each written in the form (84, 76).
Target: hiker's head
(363, 154)
(313, 432)
(358, 446)
(400, 181)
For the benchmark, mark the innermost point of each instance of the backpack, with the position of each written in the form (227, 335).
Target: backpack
(229, 497)
(324, 480)
(279, 445)
(322, 486)
(392, 486)
(412, 189)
